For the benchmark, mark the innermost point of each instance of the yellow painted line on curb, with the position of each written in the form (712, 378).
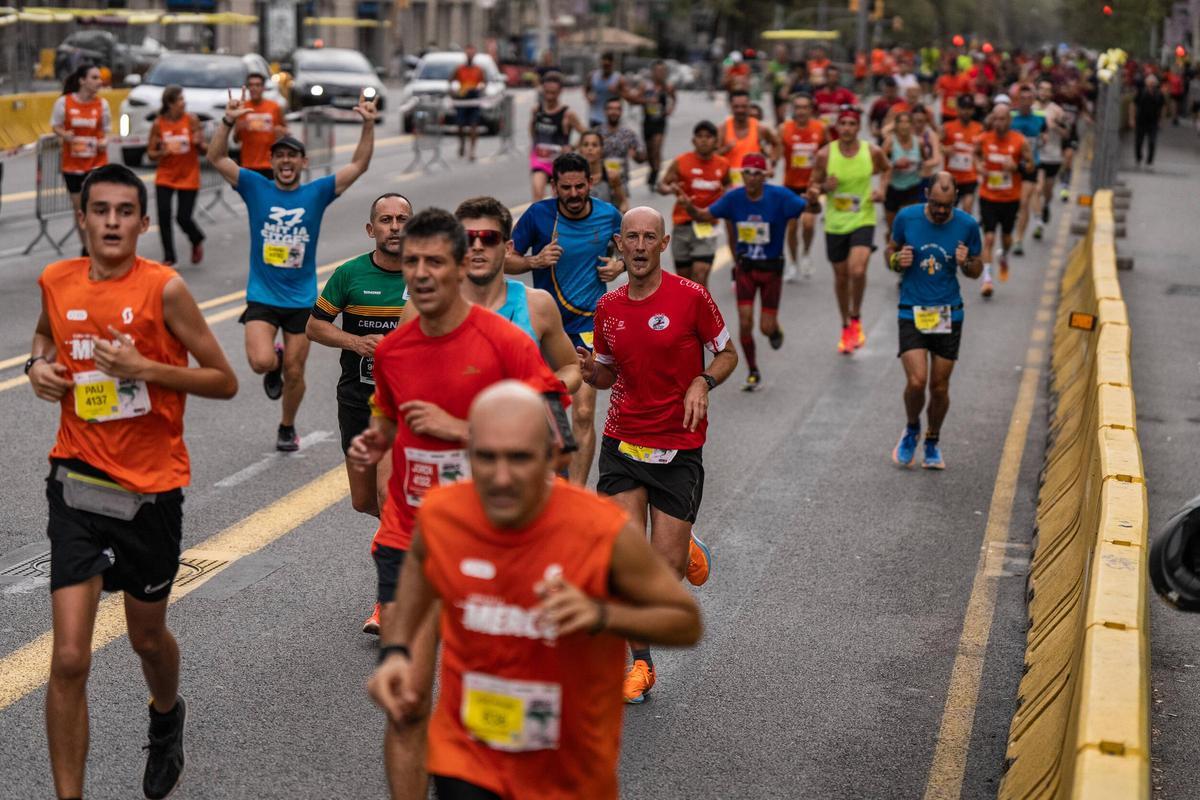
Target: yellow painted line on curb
(949, 764)
(28, 668)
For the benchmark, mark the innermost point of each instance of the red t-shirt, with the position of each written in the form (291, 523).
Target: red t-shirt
(829, 102)
(448, 371)
(656, 347)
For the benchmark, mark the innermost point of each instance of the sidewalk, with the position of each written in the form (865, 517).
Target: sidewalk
(1163, 298)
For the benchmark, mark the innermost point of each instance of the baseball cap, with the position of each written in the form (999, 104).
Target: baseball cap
(291, 143)
(754, 161)
(1002, 98)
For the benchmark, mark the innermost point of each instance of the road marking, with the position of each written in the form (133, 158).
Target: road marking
(958, 715)
(28, 668)
(243, 475)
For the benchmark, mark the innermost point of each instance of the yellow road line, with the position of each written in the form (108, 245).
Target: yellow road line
(958, 715)
(28, 668)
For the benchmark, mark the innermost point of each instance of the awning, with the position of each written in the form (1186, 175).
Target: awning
(800, 34)
(346, 22)
(609, 39)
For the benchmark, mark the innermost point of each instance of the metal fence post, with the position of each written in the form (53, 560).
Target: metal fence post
(317, 130)
(53, 200)
(508, 129)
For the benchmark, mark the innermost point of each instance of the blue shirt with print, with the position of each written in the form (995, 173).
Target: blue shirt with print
(761, 225)
(1030, 126)
(284, 228)
(932, 280)
(573, 282)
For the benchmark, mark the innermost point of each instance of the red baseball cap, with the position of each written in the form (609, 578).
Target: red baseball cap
(754, 161)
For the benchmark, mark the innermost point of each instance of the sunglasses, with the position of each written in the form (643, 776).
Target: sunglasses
(488, 238)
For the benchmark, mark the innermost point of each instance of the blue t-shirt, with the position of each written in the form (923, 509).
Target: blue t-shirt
(761, 225)
(573, 282)
(932, 280)
(1030, 126)
(284, 227)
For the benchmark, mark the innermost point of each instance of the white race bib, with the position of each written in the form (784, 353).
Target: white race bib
(427, 469)
(83, 147)
(103, 398)
(847, 203)
(960, 162)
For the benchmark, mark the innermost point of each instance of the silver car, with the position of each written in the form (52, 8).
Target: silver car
(431, 81)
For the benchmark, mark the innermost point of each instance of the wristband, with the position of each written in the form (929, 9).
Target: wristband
(29, 364)
(227, 121)
(710, 380)
(601, 620)
(388, 649)
(894, 262)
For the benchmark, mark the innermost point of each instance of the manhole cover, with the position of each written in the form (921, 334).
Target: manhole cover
(190, 568)
(36, 567)
(1185, 289)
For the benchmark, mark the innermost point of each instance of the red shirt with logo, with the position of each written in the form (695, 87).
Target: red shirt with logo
(656, 346)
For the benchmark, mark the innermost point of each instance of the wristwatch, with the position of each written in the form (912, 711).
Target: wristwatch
(710, 380)
(29, 364)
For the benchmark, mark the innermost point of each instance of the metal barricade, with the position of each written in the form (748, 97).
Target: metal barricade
(1106, 140)
(53, 200)
(508, 126)
(317, 134)
(428, 116)
(212, 183)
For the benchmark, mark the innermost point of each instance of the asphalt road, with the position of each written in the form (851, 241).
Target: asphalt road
(833, 618)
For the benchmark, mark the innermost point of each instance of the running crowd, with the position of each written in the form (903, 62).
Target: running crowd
(543, 599)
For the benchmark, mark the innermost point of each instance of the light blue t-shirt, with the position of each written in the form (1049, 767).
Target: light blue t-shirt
(284, 228)
(761, 224)
(932, 280)
(1030, 126)
(516, 308)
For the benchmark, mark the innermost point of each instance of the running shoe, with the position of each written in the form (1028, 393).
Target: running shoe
(639, 680)
(1037, 232)
(776, 338)
(789, 273)
(700, 561)
(164, 753)
(286, 440)
(1065, 194)
(1046, 213)
(371, 626)
(846, 342)
(197, 252)
(906, 448)
(806, 267)
(858, 336)
(1003, 267)
(987, 288)
(752, 381)
(1018, 249)
(273, 380)
(933, 456)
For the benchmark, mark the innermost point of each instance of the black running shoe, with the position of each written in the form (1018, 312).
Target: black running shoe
(776, 339)
(286, 441)
(753, 381)
(164, 757)
(273, 380)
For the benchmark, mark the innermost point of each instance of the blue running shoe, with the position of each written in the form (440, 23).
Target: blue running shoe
(906, 448)
(933, 456)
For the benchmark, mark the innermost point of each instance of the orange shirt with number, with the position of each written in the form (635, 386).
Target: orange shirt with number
(256, 132)
(950, 86)
(143, 452)
(750, 143)
(523, 712)
(702, 180)
(85, 121)
(998, 184)
(469, 78)
(800, 146)
(179, 164)
(959, 145)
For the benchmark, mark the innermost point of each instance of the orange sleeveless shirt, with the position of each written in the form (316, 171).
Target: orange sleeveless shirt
(998, 184)
(520, 713)
(85, 121)
(143, 453)
(800, 146)
(959, 140)
(179, 165)
(702, 182)
(741, 147)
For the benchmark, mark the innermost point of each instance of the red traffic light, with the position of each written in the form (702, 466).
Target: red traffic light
(958, 40)
(1180, 51)
(1108, 11)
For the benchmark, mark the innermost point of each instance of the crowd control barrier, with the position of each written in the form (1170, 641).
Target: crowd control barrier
(317, 131)
(52, 199)
(1082, 727)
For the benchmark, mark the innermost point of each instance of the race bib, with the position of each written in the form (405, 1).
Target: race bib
(260, 123)
(847, 203)
(83, 147)
(427, 469)
(801, 159)
(647, 455)
(735, 176)
(754, 233)
(613, 165)
(653, 110)
(103, 398)
(960, 162)
(178, 145)
(704, 230)
(366, 370)
(932, 319)
(511, 715)
(999, 180)
(282, 255)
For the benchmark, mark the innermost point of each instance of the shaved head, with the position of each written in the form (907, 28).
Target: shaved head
(642, 241)
(511, 453)
(942, 195)
(507, 402)
(636, 218)
(943, 182)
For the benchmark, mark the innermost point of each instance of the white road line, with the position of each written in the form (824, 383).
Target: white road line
(243, 475)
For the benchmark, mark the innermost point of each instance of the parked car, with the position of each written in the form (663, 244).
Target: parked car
(432, 80)
(331, 76)
(102, 49)
(206, 81)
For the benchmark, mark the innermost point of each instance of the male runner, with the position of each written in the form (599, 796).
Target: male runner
(703, 176)
(650, 343)
(82, 120)
(420, 414)
(743, 134)
(958, 140)
(258, 128)
(759, 213)
(830, 98)
(657, 98)
(603, 84)
(468, 83)
(930, 243)
(880, 110)
(1050, 155)
(620, 142)
(1001, 156)
(285, 223)
(539, 581)
(111, 346)
(843, 171)
(800, 139)
(1031, 124)
(550, 129)
(571, 236)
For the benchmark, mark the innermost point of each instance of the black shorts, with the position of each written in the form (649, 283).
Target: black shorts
(456, 789)
(838, 245)
(139, 557)
(943, 345)
(652, 128)
(353, 419)
(967, 188)
(388, 563)
(1050, 170)
(675, 489)
(292, 320)
(897, 199)
(469, 115)
(992, 213)
(1029, 175)
(74, 181)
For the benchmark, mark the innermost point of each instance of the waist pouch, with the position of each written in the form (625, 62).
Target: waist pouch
(99, 496)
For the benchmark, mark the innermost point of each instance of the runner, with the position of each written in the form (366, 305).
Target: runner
(703, 176)
(843, 171)
(881, 108)
(930, 244)
(800, 138)
(571, 237)
(958, 140)
(468, 84)
(742, 134)
(111, 346)
(606, 185)
(175, 144)
(567, 577)
(258, 128)
(420, 414)
(952, 86)
(904, 150)
(1073, 104)
(652, 334)
(620, 143)
(657, 98)
(603, 84)
(1032, 125)
(285, 224)
(830, 97)
(760, 214)
(82, 120)
(1145, 113)
(1002, 156)
(550, 128)
(1051, 153)
(779, 77)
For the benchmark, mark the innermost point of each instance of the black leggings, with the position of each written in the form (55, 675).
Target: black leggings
(454, 789)
(183, 215)
(1147, 134)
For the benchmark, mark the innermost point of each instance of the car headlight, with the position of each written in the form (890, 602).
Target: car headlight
(370, 92)
(124, 125)
(316, 90)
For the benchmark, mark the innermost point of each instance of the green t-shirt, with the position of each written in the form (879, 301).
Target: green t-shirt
(369, 298)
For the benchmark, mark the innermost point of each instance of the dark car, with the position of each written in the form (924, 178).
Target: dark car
(100, 48)
(331, 76)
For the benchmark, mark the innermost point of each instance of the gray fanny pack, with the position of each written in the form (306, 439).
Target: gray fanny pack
(99, 496)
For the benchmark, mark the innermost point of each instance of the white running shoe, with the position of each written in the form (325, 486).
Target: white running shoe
(806, 267)
(789, 273)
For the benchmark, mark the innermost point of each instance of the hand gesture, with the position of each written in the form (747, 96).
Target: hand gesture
(426, 419)
(236, 107)
(119, 358)
(549, 256)
(905, 255)
(391, 687)
(565, 609)
(695, 403)
(50, 381)
(367, 449)
(611, 268)
(367, 109)
(587, 363)
(961, 254)
(365, 345)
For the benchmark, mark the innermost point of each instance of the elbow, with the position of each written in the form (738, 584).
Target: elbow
(228, 387)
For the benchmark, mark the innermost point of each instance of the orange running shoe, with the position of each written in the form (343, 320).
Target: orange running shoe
(846, 343)
(700, 560)
(371, 626)
(639, 680)
(856, 333)
(1003, 267)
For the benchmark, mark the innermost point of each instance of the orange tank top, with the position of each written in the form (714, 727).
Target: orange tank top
(741, 147)
(959, 140)
(132, 430)
(999, 185)
(800, 146)
(85, 121)
(702, 181)
(256, 132)
(521, 713)
(179, 165)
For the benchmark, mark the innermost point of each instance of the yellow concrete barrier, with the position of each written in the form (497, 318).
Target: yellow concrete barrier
(1082, 727)
(25, 117)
